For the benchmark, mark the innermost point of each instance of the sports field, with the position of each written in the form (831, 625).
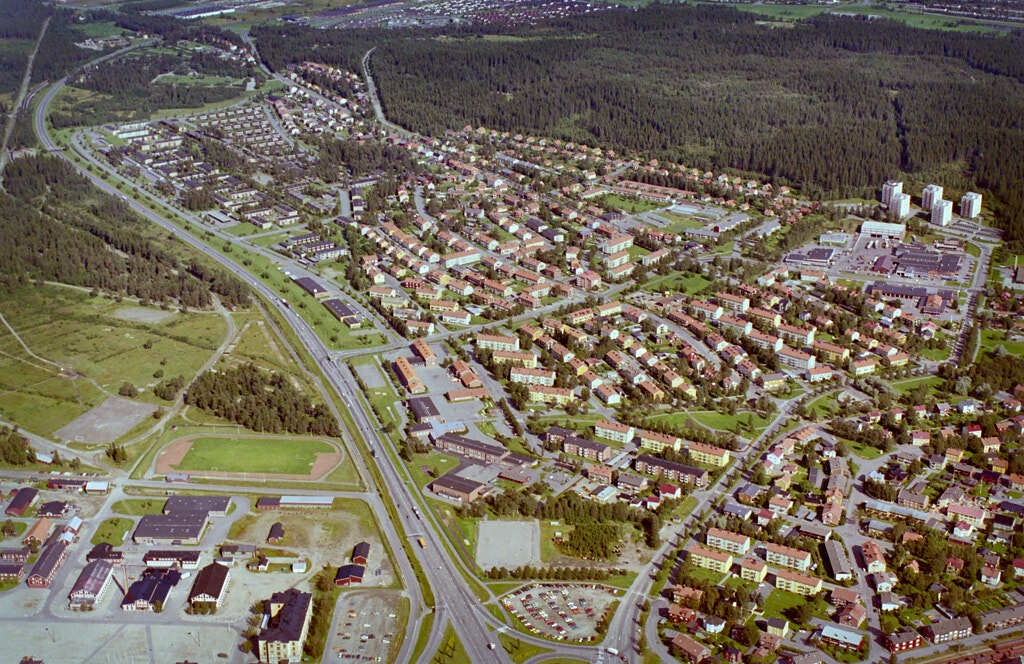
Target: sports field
(288, 456)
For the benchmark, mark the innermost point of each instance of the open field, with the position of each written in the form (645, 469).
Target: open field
(789, 13)
(990, 339)
(88, 351)
(112, 531)
(278, 456)
(138, 506)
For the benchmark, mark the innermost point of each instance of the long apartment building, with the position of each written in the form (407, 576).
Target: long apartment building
(726, 540)
(532, 376)
(787, 556)
(795, 582)
(715, 561)
(497, 342)
(708, 454)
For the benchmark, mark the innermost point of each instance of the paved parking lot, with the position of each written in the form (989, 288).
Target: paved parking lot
(561, 611)
(364, 629)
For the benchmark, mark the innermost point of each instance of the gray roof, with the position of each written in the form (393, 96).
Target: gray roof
(197, 504)
(847, 636)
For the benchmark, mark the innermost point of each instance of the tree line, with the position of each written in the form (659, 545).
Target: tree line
(54, 225)
(260, 401)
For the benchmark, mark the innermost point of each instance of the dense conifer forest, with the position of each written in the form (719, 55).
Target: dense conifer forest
(54, 225)
(831, 105)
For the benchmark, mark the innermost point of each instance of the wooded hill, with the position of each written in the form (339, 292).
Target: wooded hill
(54, 225)
(834, 106)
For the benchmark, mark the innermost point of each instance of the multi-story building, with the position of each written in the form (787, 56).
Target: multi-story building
(588, 449)
(942, 212)
(904, 639)
(727, 540)
(497, 342)
(671, 471)
(948, 629)
(890, 189)
(657, 442)
(970, 205)
(708, 454)
(528, 360)
(620, 433)
(795, 359)
(900, 205)
(715, 561)
(795, 582)
(736, 303)
(532, 376)
(287, 617)
(558, 395)
(753, 569)
(787, 556)
(408, 376)
(930, 195)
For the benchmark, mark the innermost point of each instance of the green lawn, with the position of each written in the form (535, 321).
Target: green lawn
(823, 406)
(630, 205)
(745, 421)
(91, 336)
(518, 651)
(972, 249)
(780, 600)
(451, 651)
(935, 354)
(863, 451)
(291, 456)
(906, 386)
(138, 506)
(689, 284)
(990, 339)
(112, 531)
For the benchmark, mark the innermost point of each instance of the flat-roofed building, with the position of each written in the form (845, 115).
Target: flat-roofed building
(753, 569)
(970, 205)
(176, 527)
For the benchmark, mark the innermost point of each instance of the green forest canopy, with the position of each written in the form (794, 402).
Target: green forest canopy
(832, 105)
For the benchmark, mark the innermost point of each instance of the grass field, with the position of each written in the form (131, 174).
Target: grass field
(81, 333)
(451, 651)
(98, 30)
(789, 13)
(253, 455)
(935, 354)
(688, 284)
(519, 651)
(780, 600)
(990, 339)
(138, 506)
(905, 386)
(112, 531)
(630, 205)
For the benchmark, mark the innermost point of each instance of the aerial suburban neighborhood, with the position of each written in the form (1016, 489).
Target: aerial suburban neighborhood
(296, 365)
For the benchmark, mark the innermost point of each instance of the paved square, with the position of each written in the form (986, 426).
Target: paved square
(507, 544)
